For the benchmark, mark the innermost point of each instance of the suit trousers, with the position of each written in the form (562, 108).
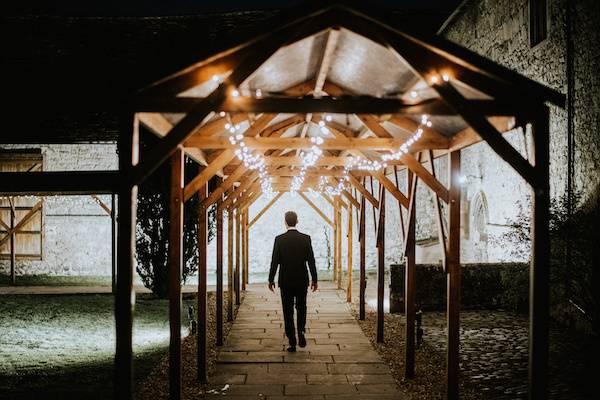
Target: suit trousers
(289, 296)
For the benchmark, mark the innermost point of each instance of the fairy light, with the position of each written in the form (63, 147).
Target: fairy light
(405, 147)
(255, 162)
(309, 159)
(414, 94)
(258, 93)
(235, 93)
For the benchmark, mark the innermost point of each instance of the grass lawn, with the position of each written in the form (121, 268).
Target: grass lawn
(63, 346)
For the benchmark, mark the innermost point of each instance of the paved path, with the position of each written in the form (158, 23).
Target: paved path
(337, 363)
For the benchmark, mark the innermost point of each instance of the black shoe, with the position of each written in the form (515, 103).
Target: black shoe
(301, 340)
(291, 349)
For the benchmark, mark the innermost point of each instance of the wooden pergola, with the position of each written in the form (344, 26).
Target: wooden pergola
(340, 74)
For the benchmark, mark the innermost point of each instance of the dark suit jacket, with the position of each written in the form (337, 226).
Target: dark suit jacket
(292, 251)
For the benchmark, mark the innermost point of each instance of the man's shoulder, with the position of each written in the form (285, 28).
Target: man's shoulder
(280, 236)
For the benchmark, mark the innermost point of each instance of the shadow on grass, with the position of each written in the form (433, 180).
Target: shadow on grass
(59, 347)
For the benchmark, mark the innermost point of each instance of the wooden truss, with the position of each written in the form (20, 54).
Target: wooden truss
(201, 134)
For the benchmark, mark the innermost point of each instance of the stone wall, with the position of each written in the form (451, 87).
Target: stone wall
(76, 230)
(498, 29)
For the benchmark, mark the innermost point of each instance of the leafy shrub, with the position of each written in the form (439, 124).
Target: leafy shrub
(152, 230)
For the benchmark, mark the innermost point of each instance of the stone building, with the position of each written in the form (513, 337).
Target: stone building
(552, 41)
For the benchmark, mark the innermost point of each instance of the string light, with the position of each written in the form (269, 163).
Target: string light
(309, 159)
(254, 162)
(404, 147)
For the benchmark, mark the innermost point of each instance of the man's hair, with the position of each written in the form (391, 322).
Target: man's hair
(291, 219)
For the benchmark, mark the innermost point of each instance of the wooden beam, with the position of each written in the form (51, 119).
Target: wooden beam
(243, 247)
(199, 111)
(207, 173)
(483, 127)
(246, 183)
(410, 289)
(439, 216)
(236, 273)
(230, 224)
(539, 280)
(314, 207)
(175, 264)
(59, 182)
(349, 256)
(327, 104)
(265, 209)
(408, 159)
(339, 242)
(201, 345)
(389, 185)
(380, 265)
(303, 143)
(126, 243)
(16, 226)
(160, 126)
(363, 258)
(436, 54)
(247, 246)
(453, 276)
(279, 30)
(224, 186)
(359, 186)
(219, 270)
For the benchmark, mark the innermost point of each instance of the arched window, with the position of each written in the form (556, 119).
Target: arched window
(479, 217)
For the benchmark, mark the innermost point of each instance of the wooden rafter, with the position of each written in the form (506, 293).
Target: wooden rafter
(314, 207)
(207, 173)
(265, 209)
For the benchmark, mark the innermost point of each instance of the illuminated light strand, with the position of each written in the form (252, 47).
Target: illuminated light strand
(254, 162)
(309, 159)
(405, 147)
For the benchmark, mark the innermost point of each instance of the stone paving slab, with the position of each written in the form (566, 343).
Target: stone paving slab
(338, 362)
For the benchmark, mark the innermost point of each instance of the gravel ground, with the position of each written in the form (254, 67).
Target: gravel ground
(493, 355)
(156, 385)
(429, 361)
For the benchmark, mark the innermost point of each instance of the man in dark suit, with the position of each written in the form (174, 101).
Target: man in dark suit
(292, 251)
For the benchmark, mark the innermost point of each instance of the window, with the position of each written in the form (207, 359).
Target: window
(538, 21)
(480, 217)
(22, 213)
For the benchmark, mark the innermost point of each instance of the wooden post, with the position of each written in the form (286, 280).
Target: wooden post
(237, 258)
(339, 243)
(175, 263)
(540, 263)
(125, 297)
(247, 247)
(243, 247)
(380, 264)
(113, 231)
(202, 275)
(13, 250)
(363, 254)
(349, 290)
(409, 282)
(219, 289)
(230, 283)
(335, 247)
(453, 274)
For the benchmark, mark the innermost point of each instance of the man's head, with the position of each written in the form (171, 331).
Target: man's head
(291, 219)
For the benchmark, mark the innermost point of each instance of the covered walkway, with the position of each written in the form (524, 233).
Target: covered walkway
(338, 362)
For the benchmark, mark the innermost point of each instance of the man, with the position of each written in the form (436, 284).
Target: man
(292, 251)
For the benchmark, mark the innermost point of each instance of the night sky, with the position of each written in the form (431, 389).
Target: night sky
(182, 7)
